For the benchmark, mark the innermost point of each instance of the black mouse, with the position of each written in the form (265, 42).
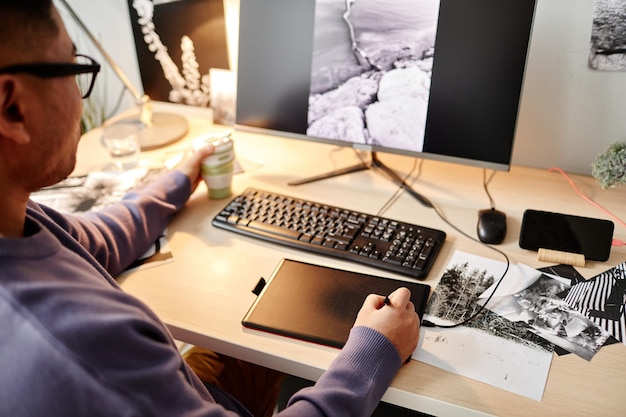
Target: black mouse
(491, 227)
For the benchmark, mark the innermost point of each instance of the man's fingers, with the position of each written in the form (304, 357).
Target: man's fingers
(400, 297)
(374, 300)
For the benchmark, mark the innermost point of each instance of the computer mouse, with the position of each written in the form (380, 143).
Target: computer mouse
(491, 226)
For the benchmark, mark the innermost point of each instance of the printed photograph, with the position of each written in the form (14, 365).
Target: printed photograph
(483, 348)
(458, 297)
(602, 299)
(98, 190)
(93, 192)
(608, 36)
(371, 71)
(177, 43)
(536, 301)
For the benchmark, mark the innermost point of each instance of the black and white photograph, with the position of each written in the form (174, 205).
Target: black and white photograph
(608, 36)
(94, 191)
(482, 349)
(99, 189)
(602, 300)
(177, 43)
(371, 71)
(535, 299)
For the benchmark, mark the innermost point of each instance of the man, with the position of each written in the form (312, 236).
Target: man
(73, 343)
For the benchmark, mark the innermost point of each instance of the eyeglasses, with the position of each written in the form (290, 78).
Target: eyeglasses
(85, 69)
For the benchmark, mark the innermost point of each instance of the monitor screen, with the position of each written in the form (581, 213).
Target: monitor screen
(439, 79)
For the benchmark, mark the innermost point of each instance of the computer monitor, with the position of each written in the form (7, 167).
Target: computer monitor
(437, 79)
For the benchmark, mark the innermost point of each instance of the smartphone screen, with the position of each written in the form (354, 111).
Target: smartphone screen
(566, 233)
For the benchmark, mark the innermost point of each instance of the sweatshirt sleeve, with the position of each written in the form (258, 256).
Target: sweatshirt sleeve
(118, 234)
(355, 381)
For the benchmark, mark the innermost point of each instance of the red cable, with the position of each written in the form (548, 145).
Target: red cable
(616, 242)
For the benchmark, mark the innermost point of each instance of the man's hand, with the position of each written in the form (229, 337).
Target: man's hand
(396, 320)
(190, 166)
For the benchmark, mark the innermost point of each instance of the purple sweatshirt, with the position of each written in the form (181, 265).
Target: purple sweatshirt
(73, 343)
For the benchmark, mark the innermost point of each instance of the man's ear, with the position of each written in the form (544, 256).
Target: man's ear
(12, 121)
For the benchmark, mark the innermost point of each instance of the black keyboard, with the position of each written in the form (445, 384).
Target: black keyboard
(375, 241)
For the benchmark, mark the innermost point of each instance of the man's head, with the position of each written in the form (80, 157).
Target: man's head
(39, 116)
(23, 25)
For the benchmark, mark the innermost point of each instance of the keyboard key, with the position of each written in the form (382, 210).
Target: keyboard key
(277, 230)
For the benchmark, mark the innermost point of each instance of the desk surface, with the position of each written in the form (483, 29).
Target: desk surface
(203, 295)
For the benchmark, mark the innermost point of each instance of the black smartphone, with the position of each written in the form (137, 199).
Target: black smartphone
(567, 233)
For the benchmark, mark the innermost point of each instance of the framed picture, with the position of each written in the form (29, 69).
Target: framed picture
(178, 42)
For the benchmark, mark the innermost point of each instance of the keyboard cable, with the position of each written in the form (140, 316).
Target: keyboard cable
(395, 196)
(400, 189)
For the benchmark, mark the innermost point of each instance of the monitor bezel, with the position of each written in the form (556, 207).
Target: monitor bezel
(502, 164)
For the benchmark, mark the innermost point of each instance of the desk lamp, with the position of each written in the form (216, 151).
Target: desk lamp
(159, 129)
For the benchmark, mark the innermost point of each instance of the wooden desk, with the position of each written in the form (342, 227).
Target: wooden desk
(204, 294)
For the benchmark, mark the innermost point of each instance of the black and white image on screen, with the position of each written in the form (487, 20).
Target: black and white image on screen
(371, 71)
(473, 52)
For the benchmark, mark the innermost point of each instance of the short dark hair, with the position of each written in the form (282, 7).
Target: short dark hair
(24, 27)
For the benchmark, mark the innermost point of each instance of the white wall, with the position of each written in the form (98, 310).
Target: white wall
(568, 114)
(109, 22)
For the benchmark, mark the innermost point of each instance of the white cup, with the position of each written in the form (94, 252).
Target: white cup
(217, 169)
(122, 141)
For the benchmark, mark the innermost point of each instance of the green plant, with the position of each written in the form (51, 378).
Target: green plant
(93, 113)
(609, 168)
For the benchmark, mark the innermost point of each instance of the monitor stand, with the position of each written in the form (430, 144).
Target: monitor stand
(373, 163)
